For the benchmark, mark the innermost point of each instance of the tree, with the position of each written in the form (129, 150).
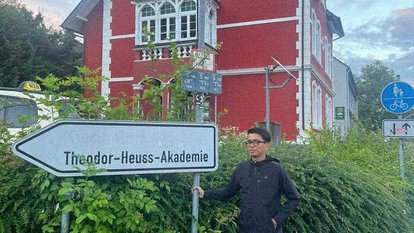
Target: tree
(29, 49)
(370, 83)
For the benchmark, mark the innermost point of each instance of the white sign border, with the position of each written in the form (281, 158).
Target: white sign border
(74, 172)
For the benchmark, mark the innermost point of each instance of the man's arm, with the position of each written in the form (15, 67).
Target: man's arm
(293, 198)
(219, 194)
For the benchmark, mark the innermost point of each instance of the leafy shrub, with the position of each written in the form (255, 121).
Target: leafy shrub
(337, 196)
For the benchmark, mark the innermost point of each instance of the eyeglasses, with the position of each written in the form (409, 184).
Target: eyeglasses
(254, 142)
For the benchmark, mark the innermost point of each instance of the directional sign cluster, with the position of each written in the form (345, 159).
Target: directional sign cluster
(201, 82)
(398, 97)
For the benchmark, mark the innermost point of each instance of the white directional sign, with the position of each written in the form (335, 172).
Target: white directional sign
(398, 128)
(121, 147)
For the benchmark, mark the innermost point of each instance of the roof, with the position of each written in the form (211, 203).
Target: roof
(335, 24)
(79, 16)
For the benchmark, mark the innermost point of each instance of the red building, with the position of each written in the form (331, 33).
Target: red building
(275, 38)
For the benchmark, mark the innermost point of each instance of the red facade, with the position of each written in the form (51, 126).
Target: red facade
(251, 33)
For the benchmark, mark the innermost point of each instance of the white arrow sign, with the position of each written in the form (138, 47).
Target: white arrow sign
(398, 128)
(121, 147)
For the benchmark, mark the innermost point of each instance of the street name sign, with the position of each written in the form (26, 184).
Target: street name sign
(201, 82)
(397, 97)
(121, 147)
(398, 128)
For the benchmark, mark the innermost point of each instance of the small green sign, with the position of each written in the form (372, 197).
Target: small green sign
(339, 113)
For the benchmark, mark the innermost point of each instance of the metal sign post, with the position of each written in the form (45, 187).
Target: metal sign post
(199, 82)
(196, 176)
(398, 97)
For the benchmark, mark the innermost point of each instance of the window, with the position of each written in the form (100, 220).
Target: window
(170, 20)
(167, 22)
(180, 105)
(188, 20)
(318, 41)
(328, 60)
(17, 112)
(313, 28)
(328, 109)
(316, 37)
(211, 28)
(316, 106)
(148, 24)
(152, 99)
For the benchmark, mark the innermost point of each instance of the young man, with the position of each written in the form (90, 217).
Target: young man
(261, 182)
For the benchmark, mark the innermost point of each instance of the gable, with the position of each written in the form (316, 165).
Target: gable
(79, 16)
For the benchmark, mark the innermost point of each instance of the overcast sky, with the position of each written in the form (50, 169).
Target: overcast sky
(374, 30)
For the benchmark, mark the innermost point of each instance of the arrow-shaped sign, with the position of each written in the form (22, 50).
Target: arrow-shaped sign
(121, 147)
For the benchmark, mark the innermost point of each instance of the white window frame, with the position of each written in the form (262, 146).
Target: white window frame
(316, 106)
(211, 27)
(188, 15)
(328, 58)
(158, 18)
(316, 37)
(328, 111)
(318, 41)
(148, 20)
(313, 27)
(169, 17)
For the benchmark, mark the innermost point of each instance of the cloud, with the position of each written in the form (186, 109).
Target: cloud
(389, 39)
(53, 12)
(400, 27)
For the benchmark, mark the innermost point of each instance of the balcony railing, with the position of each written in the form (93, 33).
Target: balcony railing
(164, 51)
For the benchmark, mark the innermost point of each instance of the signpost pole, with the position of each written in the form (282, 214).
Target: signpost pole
(199, 105)
(401, 152)
(64, 224)
(196, 175)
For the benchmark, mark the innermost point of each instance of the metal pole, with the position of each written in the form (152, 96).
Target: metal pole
(401, 152)
(401, 145)
(64, 225)
(201, 28)
(196, 175)
(267, 104)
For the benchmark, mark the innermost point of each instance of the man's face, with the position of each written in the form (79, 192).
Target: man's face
(257, 152)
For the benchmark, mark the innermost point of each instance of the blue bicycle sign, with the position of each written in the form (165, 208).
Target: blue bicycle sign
(398, 97)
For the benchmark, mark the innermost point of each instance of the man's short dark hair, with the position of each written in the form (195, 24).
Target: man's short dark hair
(262, 132)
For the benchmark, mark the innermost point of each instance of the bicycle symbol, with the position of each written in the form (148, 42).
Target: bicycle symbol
(398, 104)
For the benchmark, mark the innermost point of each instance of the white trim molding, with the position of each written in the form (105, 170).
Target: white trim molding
(121, 79)
(257, 22)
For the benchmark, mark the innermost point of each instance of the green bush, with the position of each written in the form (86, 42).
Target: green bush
(347, 184)
(337, 196)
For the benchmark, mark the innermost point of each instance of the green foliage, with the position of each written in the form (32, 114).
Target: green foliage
(19, 201)
(347, 184)
(338, 194)
(363, 148)
(29, 49)
(373, 79)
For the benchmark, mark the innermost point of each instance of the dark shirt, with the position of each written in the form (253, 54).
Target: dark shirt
(261, 185)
